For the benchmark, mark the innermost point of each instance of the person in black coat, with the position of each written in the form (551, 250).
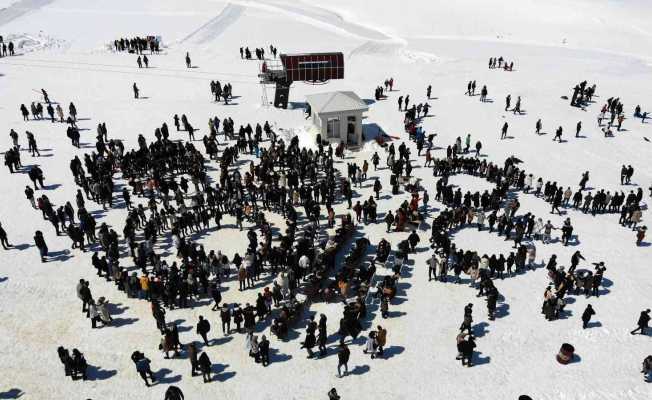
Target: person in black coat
(309, 343)
(414, 240)
(586, 316)
(343, 359)
(263, 348)
(205, 365)
(647, 368)
(79, 364)
(216, 295)
(39, 241)
(323, 336)
(332, 394)
(3, 238)
(173, 393)
(203, 327)
(192, 356)
(643, 322)
(66, 360)
(466, 348)
(249, 318)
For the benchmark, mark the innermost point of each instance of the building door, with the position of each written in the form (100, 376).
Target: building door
(351, 137)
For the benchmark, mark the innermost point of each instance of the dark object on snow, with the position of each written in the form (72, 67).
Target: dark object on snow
(566, 353)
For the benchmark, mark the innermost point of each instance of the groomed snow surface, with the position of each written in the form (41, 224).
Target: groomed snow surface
(554, 44)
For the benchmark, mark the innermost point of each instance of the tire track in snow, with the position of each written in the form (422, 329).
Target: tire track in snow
(20, 8)
(212, 29)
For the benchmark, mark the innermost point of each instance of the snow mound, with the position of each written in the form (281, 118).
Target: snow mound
(306, 134)
(26, 43)
(394, 48)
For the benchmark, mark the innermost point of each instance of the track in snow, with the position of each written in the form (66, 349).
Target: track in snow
(320, 17)
(212, 29)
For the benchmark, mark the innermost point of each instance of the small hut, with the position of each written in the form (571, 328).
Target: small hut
(338, 116)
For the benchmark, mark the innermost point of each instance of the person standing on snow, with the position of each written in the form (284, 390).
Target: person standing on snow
(203, 327)
(173, 393)
(39, 241)
(143, 367)
(647, 368)
(3, 238)
(503, 131)
(584, 180)
(205, 366)
(558, 134)
(343, 359)
(586, 316)
(643, 321)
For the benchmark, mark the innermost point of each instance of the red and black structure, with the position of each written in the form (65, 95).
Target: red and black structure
(312, 68)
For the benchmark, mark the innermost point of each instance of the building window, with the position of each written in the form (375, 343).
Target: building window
(333, 128)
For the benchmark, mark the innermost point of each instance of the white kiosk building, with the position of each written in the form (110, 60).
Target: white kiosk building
(338, 116)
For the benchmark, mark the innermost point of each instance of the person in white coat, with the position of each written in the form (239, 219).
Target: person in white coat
(93, 314)
(358, 177)
(547, 231)
(528, 183)
(484, 262)
(635, 219)
(538, 187)
(433, 264)
(304, 265)
(567, 196)
(370, 346)
(480, 217)
(284, 282)
(531, 256)
(538, 228)
(103, 310)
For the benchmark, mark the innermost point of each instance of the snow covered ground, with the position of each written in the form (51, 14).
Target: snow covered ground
(554, 44)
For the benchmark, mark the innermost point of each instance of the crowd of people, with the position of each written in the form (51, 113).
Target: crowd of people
(137, 45)
(6, 48)
(245, 52)
(171, 202)
(500, 63)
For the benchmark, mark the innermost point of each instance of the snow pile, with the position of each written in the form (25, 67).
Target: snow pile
(27, 43)
(307, 136)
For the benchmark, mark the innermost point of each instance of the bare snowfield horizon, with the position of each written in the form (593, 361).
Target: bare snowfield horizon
(66, 47)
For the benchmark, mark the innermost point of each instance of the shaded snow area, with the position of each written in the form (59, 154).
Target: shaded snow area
(66, 48)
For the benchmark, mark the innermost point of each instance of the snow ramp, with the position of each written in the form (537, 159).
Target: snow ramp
(212, 29)
(20, 8)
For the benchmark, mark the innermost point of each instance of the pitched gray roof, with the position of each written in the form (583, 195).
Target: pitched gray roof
(336, 102)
